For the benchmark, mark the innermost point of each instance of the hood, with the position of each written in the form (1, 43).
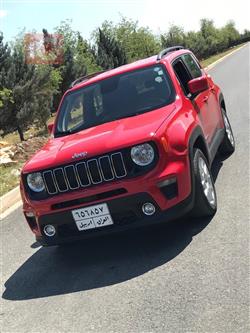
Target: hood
(99, 140)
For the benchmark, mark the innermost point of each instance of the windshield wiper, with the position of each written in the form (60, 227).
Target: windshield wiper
(75, 130)
(59, 133)
(70, 131)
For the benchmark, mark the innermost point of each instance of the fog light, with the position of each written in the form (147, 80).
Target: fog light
(148, 208)
(29, 214)
(49, 230)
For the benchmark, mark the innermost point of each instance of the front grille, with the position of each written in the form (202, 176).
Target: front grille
(85, 174)
(100, 169)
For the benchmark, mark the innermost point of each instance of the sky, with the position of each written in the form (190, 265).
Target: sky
(86, 15)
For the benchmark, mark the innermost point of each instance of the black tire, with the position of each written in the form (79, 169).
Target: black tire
(202, 206)
(227, 146)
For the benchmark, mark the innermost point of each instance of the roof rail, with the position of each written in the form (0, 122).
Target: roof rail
(85, 78)
(168, 50)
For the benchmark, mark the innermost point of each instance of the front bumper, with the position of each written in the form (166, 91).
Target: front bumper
(126, 213)
(124, 199)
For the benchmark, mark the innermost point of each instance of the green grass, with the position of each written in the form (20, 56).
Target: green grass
(13, 138)
(210, 60)
(7, 180)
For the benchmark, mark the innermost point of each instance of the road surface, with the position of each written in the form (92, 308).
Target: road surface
(182, 277)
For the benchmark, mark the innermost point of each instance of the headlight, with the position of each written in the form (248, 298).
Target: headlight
(143, 154)
(35, 182)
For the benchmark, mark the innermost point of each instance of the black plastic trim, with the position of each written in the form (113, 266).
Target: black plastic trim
(96, 197)
(117, 206)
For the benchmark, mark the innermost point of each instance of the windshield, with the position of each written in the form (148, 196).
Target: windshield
(125, 95)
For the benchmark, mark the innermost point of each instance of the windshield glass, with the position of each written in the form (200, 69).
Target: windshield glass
(117, 97)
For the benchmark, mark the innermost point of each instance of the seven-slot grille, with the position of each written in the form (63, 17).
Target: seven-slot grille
(85, 173)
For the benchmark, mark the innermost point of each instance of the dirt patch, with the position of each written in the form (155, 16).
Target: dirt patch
(20, 152)
(24, 150)
(12, 158)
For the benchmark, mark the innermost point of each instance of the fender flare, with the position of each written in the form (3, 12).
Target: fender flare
(197, 133)
(222, 100)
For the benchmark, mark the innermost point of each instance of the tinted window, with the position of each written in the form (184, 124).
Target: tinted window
(192, 65)
(114, 98)
(182, 74)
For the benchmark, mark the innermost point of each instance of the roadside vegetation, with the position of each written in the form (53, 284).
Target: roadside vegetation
(206, 62)
(30, 91)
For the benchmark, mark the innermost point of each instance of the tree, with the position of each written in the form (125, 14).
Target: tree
(196, 43)
(174, 36)
(31, 88)
(29, 92)
(85, 57)
(230, 33)
(138, 42)
(17, 78)
(110, 54)
(5, 94)
(5, 97)
(78, 60)
(4, 55)
(48, 81)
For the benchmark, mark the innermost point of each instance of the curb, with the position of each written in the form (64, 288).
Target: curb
(9, 199)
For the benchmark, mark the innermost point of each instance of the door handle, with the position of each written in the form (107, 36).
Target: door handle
(205, 99)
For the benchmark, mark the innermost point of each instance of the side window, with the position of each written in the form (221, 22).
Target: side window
(192, 65)
(182, 74)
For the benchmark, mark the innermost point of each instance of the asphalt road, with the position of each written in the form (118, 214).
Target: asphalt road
(188, 276)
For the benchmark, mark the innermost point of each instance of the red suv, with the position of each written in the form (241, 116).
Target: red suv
(130, 147)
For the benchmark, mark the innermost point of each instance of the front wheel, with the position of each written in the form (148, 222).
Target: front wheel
(227, 146)
(205, 194)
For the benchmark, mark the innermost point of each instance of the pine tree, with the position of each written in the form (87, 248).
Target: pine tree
(71, 68)
(110, 53)
(31, 88)
(16, 76)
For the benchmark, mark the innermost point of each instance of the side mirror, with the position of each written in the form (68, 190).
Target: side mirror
(50, 128)
(198, 85)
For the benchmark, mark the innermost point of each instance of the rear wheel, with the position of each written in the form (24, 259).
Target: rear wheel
(227, 146)
(205, 194)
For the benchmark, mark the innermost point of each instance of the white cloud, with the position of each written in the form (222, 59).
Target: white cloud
(3, 13)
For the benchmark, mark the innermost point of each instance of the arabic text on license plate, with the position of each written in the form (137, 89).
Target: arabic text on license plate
(92, 217)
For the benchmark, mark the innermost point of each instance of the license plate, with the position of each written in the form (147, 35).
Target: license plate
(92, 217)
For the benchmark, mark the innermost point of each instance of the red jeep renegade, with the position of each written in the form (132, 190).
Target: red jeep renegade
(130, 147)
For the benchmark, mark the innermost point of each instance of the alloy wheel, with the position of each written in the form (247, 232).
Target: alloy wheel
(228, 130)
(206, 182)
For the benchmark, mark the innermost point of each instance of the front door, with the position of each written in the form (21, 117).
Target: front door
(186, 69)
